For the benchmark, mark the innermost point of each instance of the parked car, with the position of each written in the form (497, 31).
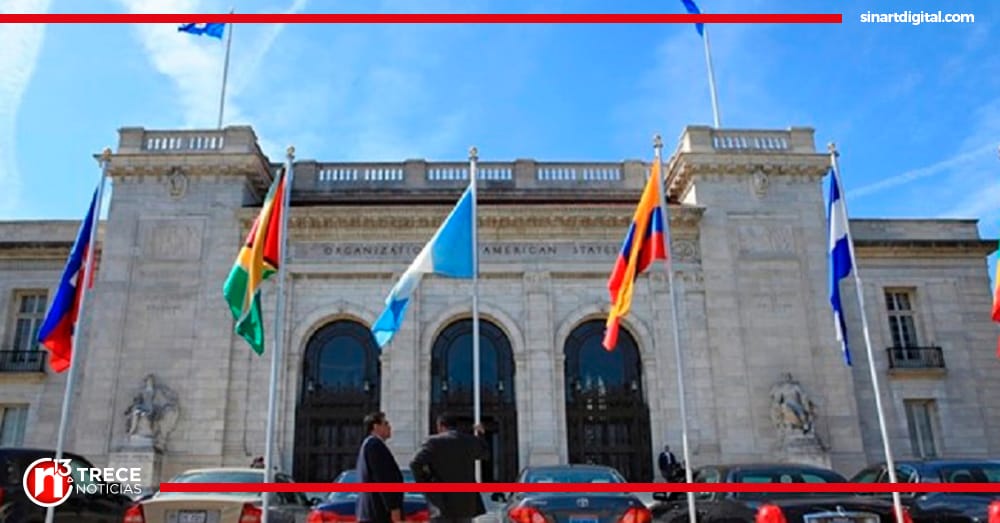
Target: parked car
(339, 507)
(220, 507)
(571, 507)
(764, 507)
(15, 507)
(944, 507)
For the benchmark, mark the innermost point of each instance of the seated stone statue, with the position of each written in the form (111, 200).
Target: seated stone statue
(141, 414)
(791, 408)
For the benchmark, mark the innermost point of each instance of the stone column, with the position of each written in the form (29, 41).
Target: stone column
(539, 359)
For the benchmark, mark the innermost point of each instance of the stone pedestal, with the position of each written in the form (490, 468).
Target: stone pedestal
(148, 460)
(804, 449)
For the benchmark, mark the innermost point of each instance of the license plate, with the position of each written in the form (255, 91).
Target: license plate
(583, 519)
(192, 517)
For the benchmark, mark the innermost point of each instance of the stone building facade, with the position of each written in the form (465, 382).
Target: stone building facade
(747, 216)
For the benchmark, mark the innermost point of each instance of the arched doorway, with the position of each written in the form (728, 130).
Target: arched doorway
(451, 390)
(607, 419)
(340, 384)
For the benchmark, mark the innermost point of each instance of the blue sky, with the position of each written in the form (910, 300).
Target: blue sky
(915, 110)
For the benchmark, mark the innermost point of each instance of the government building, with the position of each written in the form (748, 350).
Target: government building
(164, 382)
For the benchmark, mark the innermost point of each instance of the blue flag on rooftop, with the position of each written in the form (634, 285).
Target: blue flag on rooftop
(693, 9)
(841, 259)
(214, 29)
(448, 253)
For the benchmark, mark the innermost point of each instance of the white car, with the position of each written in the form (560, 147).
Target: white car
(221, 507)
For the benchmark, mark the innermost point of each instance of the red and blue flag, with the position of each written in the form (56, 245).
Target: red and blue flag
(57, 332)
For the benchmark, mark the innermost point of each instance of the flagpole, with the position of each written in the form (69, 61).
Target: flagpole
(667, 262)
(225, 68)
(279, 322)
(88, 272)
(476, 393)
(890, 465)
(711, 78)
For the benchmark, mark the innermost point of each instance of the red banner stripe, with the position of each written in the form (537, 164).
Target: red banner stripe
(425, 18)
(862, 488)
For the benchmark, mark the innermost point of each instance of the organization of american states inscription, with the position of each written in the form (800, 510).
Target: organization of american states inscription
(488, 251)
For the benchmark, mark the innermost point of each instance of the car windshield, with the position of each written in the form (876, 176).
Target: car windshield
(351, 476)
(970, 473)
(216, 476)
(784, 475)
(572, 476)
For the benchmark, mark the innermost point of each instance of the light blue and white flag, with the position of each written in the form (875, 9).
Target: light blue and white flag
(841, 259)
(449, 253)
(215, 29)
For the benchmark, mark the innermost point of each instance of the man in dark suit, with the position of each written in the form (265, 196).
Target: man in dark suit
(377, 465)
(450, 457)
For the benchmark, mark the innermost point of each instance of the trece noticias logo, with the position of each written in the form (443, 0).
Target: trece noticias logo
(48, 482)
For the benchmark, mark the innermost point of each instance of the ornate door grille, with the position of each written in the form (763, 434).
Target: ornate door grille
(607, 419)
(451, 390)
(341, 376)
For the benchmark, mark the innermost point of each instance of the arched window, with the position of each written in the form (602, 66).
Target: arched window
(340, 384)
(451, 390)
(452, 357)
(341, 357)
(607, 419)
(592, 368)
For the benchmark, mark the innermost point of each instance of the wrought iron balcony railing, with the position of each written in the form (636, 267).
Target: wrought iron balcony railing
(915, 358)
(22, 361)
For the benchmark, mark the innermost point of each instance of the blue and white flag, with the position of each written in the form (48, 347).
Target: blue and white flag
(693, 9)
(214, 29)
(841, 259)
(449, 253)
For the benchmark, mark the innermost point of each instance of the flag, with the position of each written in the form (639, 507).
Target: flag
(637, 253)
(841, 260)
(214, 29)
(693, 9)
(448, 253)
(59, 327)
(996, 298)
(257, 260)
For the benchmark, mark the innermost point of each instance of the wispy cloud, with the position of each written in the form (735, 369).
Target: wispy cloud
(674, 92)
(21, 46)
(946, 166)
(195, 63)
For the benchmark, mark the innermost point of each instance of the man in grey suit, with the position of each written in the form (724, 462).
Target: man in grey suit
(450, 457)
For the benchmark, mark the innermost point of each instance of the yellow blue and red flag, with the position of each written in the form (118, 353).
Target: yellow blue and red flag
(643, 244)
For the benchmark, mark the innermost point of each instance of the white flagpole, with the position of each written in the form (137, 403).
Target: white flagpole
(711, 77)
(88, 272)
(279, 322)
(658, 148)
(225, 67)
(890, 465)
(476, 393)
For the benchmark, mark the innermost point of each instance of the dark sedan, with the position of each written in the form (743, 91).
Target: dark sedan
(763, 507)
(339, 506)
(571, 507)
(942, 507)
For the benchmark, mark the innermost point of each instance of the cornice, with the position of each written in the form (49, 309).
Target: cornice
(178, 169)
(560, 218)
(38, 250)
(924, 248)
(795, 168)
